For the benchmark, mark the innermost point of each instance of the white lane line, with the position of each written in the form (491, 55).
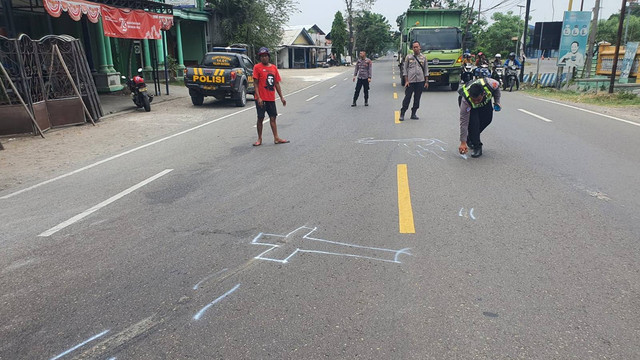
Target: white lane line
(589, 111)
(81, 216)
(333, 86)
(313, 97)
(208, 277)
(534, 115)
(79, 345)
(266, 121)
(345, 79)
(145, 145)
(201, 312)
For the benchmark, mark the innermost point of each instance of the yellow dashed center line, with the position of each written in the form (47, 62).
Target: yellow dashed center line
(397, 117)
(394, 84)
(405, 212)
(395, 95)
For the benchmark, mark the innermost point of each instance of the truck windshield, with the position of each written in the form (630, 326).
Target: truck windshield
(438, 39)
(221, 60)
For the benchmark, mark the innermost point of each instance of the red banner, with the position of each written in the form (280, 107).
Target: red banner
(134, 24)
(75, 8)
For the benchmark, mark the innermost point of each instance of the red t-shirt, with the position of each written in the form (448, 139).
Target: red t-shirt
(267, 77)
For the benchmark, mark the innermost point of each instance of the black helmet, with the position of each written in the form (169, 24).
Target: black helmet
(512, 55)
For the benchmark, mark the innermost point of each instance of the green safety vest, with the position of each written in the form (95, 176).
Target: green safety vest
(464, 92)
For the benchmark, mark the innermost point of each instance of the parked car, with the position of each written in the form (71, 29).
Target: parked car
(224, 73)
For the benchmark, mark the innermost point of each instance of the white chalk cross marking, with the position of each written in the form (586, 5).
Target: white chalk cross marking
(284, 247)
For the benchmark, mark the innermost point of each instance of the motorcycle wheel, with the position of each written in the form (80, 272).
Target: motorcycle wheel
(510, 84)
(145, 103)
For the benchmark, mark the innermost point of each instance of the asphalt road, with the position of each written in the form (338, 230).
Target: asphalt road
(364, 237)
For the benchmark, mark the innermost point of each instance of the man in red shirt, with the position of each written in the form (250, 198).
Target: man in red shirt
(266, 80)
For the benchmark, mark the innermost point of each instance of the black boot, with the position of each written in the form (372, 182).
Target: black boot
(477, 151)
(366, 102)
(354, 103)
(414, 116)
(401, 118)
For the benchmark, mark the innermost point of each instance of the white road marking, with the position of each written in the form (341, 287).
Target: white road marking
(143, 146)
(333, 86)
(345, 79)
(590, 112)
(266, 121)
(534, 115)
(207, 278)
(79, 345)
(313, 97)
(201, 312)
(81, 216)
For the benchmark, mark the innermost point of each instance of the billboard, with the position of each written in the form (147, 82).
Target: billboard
(575, 34)
(550, 32)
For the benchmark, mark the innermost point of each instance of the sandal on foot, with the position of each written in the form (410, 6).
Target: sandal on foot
(281, 141)
(257, 143)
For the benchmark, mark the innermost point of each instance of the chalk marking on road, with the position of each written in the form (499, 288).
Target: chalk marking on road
(534, 115)
(396, 116)
(95, 208)
(419, 146)
(144, 146)
(464, 156)
(589, 111)
(117, 340)
(356, 250)
(332, 86)
(313, 97)
(80, 345)
(196, 286)
(201, 312)
(405, 211)
(466, 214)
(395, 95)
(345, 79)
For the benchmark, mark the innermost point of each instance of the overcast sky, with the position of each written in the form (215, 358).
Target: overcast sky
(322, 12)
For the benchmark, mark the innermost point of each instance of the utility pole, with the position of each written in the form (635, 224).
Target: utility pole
(519, 18)
(524, 37)
(592, 38)
(479, 9)
(614, 68)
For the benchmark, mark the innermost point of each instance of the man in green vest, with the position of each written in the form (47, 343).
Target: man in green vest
(476, 112)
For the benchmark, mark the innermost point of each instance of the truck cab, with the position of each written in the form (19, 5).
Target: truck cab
(224, 73)
(440, 37)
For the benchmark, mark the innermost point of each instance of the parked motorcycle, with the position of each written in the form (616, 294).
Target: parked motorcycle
(467, 73)
(511, 78)
(498, 74)
(139, 93)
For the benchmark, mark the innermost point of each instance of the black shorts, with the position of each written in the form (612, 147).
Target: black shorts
(269, 107)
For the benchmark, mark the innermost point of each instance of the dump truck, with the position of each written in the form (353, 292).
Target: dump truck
(224, 73)
(440, 36)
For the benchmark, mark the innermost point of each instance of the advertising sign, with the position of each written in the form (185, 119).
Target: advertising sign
(573, 42)
(627, 61)
(134, 24)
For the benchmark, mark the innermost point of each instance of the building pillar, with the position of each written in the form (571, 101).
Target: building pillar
(147, 55)
(102, 57)
(107, 51)
(160, 54)
(179, 46)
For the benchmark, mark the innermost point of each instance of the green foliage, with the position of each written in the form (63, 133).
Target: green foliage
(372, 32)
(497, 37)
(338, 35)
(608, 29)
(253, 21)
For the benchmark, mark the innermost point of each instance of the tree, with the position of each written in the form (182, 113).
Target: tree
(252, 21)
(372, 32)
(608, 29)
(338, 35)
(497, 37)
(424, 4)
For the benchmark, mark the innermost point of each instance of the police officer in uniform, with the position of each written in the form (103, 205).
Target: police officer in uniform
(476, 112)
(363, 72)
(416, 78)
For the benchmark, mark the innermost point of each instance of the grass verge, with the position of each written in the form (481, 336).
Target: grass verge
(622, 98)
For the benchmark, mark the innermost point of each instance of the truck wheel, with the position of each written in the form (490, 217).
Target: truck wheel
(454, 86)
(242, 101)
(197, 100)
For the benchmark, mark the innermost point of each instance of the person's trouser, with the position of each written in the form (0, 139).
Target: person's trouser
(479, 119)
(414, 89)
(362, 83)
